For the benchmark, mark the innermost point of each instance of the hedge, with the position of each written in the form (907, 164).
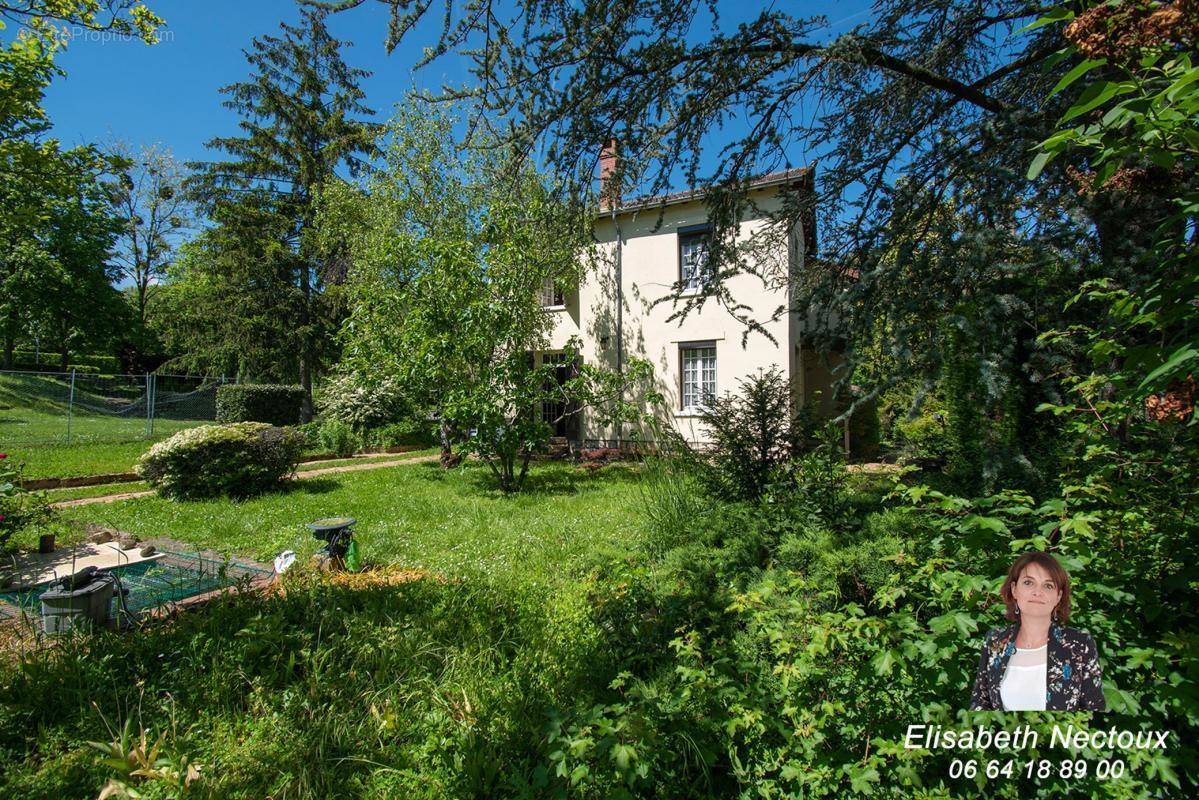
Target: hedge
(249, 402)
(240, 460)
(28, 360)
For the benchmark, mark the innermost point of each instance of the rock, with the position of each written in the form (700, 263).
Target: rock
(126, 541)
(148, 551)
(98, 534)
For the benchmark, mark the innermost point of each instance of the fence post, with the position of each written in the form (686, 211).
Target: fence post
(70, 405)
(149, 409)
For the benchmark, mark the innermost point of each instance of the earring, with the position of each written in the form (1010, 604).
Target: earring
(1017, 611)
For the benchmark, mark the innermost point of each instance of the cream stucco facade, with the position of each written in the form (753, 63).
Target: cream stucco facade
(642, 245)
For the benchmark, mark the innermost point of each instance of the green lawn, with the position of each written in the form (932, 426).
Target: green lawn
(33, 427)
(63, 461)
(416, 515)
(346, 686)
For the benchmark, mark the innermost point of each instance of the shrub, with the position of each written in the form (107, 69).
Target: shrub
(409, 432)
(753, 433)
(239, 460)
(924, 439)
(361, 403)
(339, 438)
(253, 402)
(18, 507)
(311, 431)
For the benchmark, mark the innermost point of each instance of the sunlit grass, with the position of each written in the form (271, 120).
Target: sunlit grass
(416, 515)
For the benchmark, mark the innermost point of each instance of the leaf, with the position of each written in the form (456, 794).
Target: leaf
(883, 662)
(986, 523)
(1179, 357)
(1076, 73)
(1054, 15)
(1094, 96)
(1038, 164)
(623, 754)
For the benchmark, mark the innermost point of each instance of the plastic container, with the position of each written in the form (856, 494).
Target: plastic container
(88, 606)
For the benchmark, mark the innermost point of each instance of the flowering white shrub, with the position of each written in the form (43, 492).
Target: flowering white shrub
(361, 403)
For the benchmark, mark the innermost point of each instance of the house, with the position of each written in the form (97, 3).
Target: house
(652, 254)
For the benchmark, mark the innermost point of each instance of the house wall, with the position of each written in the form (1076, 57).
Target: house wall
(649, 268)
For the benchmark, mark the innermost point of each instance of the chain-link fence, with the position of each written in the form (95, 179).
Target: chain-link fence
(75, 407)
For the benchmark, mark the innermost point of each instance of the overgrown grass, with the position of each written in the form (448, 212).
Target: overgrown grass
(427, 688)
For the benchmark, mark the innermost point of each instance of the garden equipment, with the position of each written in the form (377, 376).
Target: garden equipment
(338, 534)
(83, 598)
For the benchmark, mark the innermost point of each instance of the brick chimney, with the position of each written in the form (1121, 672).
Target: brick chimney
(609, 179)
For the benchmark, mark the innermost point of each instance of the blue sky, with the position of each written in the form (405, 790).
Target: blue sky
(168, 93)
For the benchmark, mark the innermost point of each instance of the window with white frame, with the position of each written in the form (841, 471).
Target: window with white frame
(695, 270)
(551, 295)
(699, 375)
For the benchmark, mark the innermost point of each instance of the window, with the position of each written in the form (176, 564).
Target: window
(699, 375)
(551, 295)
(694, 269)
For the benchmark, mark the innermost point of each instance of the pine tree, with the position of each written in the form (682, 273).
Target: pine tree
(302, 113)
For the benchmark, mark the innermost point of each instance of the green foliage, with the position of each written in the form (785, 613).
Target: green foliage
(339, 438)
(254, 402)
(753, 433)
(361, 405)
(407, 433)
(451, 252)
(95, 363)
(19, 508)
(239, 460)
(924, 438)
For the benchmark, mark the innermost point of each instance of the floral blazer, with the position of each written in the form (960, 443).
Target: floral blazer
(1074, 680)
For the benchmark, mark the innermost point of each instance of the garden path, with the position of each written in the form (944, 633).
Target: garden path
(311, 473)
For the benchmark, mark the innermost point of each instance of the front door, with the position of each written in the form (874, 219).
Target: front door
(558, 413)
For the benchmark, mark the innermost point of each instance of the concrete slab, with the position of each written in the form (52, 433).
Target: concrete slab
(26, 570)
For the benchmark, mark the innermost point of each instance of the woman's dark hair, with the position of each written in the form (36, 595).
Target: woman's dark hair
(1056, 573)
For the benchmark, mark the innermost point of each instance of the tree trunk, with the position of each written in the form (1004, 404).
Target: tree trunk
(64, 357)
(9, 346)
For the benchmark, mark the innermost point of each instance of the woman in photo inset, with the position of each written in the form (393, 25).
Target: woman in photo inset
(1038, 663)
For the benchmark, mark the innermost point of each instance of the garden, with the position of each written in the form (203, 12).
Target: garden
(372, 565)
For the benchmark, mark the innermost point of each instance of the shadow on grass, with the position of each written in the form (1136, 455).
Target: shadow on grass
(309, 486)
(555, 479)
(199, 672)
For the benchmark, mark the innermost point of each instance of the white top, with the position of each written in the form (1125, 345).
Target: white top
(1023, 686)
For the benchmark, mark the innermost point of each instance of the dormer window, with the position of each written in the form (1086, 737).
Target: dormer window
(551, 295)
(695, 271)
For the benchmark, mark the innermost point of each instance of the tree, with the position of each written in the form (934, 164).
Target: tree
(923, 105)
(299, 127)
(46, 194)
(54, 268)
(156, 213)
(229, 294)
(449, 260)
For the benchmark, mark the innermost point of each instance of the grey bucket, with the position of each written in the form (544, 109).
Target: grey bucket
(87, 606)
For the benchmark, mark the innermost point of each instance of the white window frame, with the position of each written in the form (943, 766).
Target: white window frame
(697, 375)
(695, 268)
(552, 298)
